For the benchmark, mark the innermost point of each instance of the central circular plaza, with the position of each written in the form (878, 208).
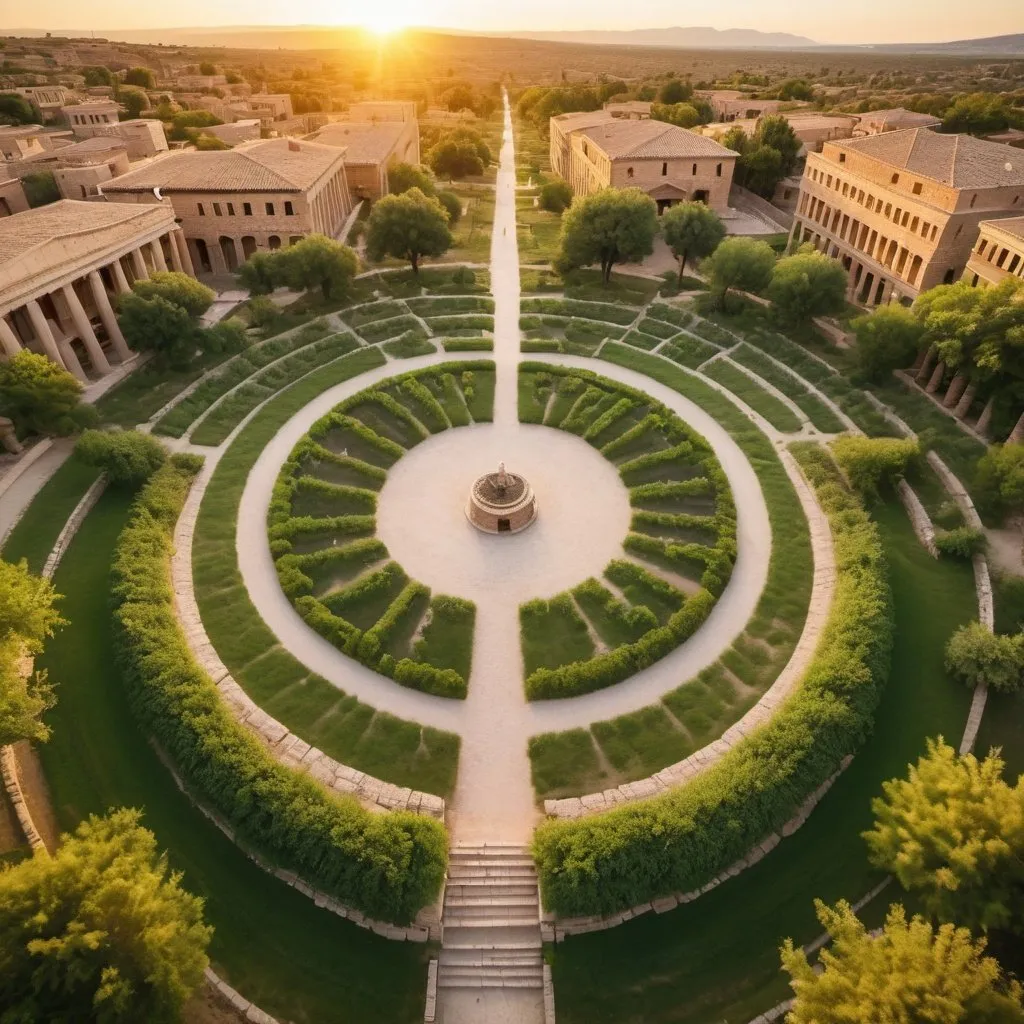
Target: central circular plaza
(423, 518)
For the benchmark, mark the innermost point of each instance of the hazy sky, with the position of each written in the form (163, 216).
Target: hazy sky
(827, 21)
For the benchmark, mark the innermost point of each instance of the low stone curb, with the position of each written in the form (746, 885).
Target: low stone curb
(549, 995)
(430, 1008)
(554, 929)
(288, 748)
(71, 527)
(427, 920)
(919, 518)
(244, 1008)
(822, 590)
(26, 460)
(9, 771)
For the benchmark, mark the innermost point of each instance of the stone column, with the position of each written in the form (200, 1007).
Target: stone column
(158, 255)
(120, 280)
(85, 332)
(179, 242)
(175, 255)
(139, 264)
(9, 342)
(851, 287)
(43, 332)
(937, 374)
(887, 288)
(926, 365)
(99, 294)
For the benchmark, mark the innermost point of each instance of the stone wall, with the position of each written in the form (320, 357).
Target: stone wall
(919, 518)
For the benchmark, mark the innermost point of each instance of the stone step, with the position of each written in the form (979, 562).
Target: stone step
(477, 946)
(490, 850)
(491, 886)
(519, 978)
(472, 861)
(491, 871)
(489, 918)
(485, 898)
(490, 958)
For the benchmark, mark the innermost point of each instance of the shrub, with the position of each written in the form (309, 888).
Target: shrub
(41, 397)
(869, 462)
(607, 862)
(126, 456)
(976, 656)
(555, 196)
(386, 865)
(963, 542)
(453, 204)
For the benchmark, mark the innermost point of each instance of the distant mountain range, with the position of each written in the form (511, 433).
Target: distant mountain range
(318, 37)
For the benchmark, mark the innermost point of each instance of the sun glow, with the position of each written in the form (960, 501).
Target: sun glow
(386, 19)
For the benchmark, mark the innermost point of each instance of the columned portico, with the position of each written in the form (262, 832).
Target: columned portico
(158, 255)
(85, 332)
(106, 311)
(139, 265)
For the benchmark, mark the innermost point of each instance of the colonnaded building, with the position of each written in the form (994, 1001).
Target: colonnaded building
(62, 267)
(596, 149)
(901, 210)
(998, 254)
(231, 203)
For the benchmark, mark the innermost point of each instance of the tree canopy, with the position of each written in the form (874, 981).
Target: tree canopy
(870, 462)
(181, 289)
(459, 154)
(101, 930)
(608, 227)
(675, 91)
(952, 832)
(407, 227)
(691, 231)
(978, 656)
(555, 196)
(887, 339)
(126, 456)
(159, 326)
(15, 109)
(683, 115)
(319, 262)
(403, 176)
(742, 263)
(999, 483)
(142, 77)
(911, 973)
(41, 397)
(806, 285)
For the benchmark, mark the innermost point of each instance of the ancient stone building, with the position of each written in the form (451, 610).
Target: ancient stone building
(12, 197)
(142, 137)
(85, 119)
(999, 252)
(670, 164)
(901, 210)
(369, 149)
(894, 119)
(62, 267)
(232, 203)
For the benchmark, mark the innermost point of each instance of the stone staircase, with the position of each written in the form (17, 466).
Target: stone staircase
(491, 920)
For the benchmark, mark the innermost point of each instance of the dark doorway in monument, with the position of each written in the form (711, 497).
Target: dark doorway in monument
(504, 526)
(701, 196)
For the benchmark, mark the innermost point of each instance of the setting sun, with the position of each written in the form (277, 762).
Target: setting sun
(386, 21)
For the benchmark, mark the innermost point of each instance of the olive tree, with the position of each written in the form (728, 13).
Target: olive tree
(691, 230)
(806, 285)
(738, 263)
(408, 227)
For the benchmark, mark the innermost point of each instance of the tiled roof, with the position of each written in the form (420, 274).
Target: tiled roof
(653, 140)
(272, 165)
(960, 161)
(582, 119)
(364, 142)
(82, 229)
(900, 117)
(1010, 225)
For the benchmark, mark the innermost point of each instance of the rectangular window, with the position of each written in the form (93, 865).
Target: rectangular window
(981, 247)
(718, 170)
(828, 181)
(664, 169)
(216, 209)
(917, 188)
(935, 228)
(270, 209)
(842, 158)
(695, 169)
(913, 224)
(231, 209)
(202, 212)
(247, 209)
(925, 228)
(288, 211)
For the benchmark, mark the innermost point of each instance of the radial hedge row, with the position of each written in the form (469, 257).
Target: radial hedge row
(322, 529)
(684, 521)
(386, 865)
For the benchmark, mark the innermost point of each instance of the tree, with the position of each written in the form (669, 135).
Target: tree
(207, 68)
(555, 196)
(142, 77)
(15, 109)
(977, 657)
(674, 91)
(319, 262)
(794, 89)
(102, 930)
(188, 119)
(224, 337)
(952, 832)
(260, 273)
(887, 339)
(980, 113)
(204, 142)
(691, 230)
(869, 462)
(452, 205)
(806, 285)
(912, 973)
(608, 227)
(27, 617)
(458, 154)
(403, 177)
(999, 483)
(761, 168)
(126, 456)
(181, 289)
(41, 188)
(683, 115)
(775, 131)
(97, 75)
(134, 101)
(41, 397)
(159, 326)
(743, 263)
(407, 227)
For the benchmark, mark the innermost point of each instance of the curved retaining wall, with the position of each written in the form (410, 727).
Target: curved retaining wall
(822, 590)
(288, 748)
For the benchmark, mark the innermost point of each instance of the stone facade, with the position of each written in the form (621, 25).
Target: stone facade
(236, 132)
(371, 147)
(896, 119)
(142, 137)
(62, 267)
(671, 164)
(12, 198)
(259, 196)
(998, 254)
(85, 119)
(730, 104)
(901, 210)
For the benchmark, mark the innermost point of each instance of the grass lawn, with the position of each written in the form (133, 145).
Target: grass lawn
(401, 752)
(553, 633)
(716, 960)
(472, 235)
(689, 351)
(537, 232)
(296, 961)
(39, 527)
(447, 640)
(780, 416)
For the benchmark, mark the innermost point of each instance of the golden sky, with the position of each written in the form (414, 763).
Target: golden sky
(826, 21)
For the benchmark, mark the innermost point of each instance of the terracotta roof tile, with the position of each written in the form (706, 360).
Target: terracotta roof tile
(652, 140)
(364, 143)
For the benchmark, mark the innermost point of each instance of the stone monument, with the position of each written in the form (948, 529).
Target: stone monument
(501, 502)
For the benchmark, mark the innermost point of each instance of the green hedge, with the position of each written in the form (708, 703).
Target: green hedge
(386, 865)
(677, 842)
(608, 312)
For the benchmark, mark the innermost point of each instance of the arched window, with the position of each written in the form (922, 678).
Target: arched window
(629, 172)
